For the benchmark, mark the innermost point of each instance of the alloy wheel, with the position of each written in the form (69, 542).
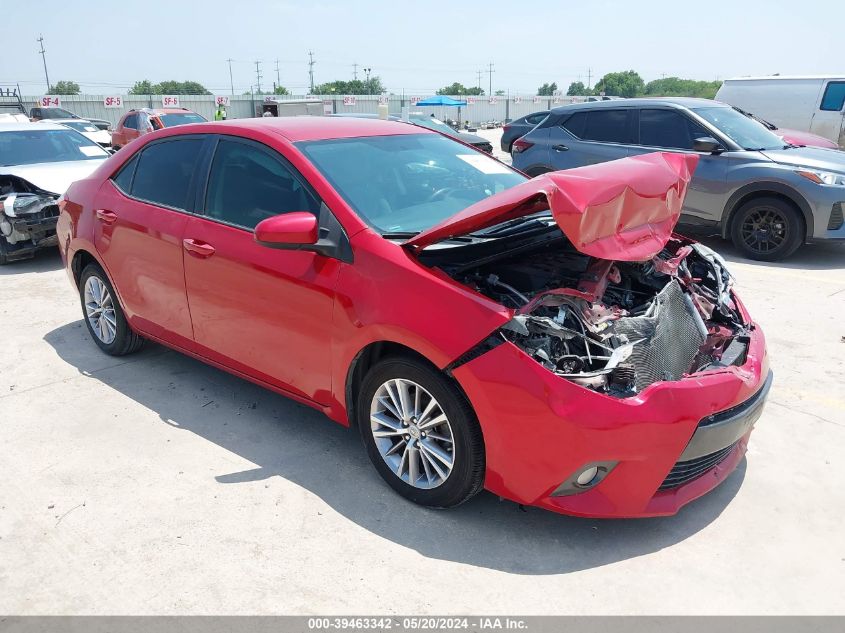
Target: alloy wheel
(764, 230)
(99, 310)
(412, 433)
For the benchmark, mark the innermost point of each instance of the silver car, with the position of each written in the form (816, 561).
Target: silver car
(767, 197)
(38, 162)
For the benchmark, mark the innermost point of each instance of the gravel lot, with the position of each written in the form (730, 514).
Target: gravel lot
(155, 484)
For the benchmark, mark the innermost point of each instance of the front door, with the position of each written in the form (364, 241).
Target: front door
(140, 217)
(261, 311)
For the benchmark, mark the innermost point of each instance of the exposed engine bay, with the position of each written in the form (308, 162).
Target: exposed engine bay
(612, 326)
(27, 215)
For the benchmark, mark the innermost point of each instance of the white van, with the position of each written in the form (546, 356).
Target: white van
(811, 104)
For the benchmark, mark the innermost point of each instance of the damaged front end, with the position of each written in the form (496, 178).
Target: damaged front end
(28, 217)
(618, 327)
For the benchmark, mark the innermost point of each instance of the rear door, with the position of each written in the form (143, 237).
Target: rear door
(264, 312)
(587, 137)
(661, 129)
(141, 213)
(829, 117)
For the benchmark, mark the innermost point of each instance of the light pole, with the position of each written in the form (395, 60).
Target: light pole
(367, 71)
(40, 40)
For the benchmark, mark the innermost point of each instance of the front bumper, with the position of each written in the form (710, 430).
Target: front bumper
(539, 429)
(39, 229)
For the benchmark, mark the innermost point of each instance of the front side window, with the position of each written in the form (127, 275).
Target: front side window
(668, 128)
(27, 147)
(164, 172)
(249, 184)
(747, 133)
(409, 182)
(131, 122)
(606, 126)
(834, 96)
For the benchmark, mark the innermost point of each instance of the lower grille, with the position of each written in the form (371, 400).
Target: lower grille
(668, 338)
(836, 220)
(684, 472)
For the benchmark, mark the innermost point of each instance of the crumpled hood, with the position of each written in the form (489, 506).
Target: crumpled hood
(623, 209)
(53, 177)
(810, 157)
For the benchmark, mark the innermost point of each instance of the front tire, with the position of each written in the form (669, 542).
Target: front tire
(420, 433)
(103, 315)
(767, 229)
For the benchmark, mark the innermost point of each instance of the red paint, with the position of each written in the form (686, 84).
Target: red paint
(293, 320)
(797, 137)
(623, 209)
(291, 228)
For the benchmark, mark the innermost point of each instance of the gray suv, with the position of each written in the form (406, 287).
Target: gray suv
(766, 196)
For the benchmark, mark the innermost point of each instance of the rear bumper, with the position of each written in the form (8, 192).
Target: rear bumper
(540, 430)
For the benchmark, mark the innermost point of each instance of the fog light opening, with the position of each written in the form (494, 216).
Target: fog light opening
(586, 477)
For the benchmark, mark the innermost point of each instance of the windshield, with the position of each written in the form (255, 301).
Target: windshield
(57, 113)
(745, 132)
(407, 183)
(432, 124)
(169, 120)
(27, 147)
(80, 126)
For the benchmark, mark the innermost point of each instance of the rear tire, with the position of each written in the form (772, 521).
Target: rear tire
(4, 259)
(103, 315)
(439, 465)
(767, 229)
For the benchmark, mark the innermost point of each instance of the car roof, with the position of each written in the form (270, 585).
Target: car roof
(18, 127)
(46, 121)
(679, 102)
(315, 128)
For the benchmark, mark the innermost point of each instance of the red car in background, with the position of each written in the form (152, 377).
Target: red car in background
(136, 123)
(550, 340)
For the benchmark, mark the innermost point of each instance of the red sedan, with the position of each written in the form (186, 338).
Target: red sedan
(550, 340)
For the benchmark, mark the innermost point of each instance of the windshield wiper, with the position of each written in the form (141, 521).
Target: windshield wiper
(515, 226)
(400, 235)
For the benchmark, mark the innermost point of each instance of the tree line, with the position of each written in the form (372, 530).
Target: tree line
(628, 83)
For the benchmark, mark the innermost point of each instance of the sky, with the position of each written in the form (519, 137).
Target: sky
(415, 47)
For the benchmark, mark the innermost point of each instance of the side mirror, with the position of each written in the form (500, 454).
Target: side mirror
(288, 231)
(707, 144)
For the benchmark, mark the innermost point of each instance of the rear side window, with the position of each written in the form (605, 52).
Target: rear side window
(668, 128)
(534, 119)
(123, 179)
(131, 121)
(164, 172)
(249, 184)
(834, 96)
(607, 126)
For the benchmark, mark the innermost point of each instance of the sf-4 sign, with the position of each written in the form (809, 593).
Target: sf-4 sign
(50, 101)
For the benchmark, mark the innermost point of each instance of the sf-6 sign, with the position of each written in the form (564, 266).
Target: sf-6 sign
(115, 101)
(170, 101)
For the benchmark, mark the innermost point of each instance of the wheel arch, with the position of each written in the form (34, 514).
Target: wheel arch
(368, 357)
(766, 190)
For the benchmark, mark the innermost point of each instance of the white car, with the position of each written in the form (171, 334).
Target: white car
(86, 128)
(38, 162)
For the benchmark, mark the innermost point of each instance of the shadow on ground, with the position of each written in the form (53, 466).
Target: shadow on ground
(288, 440)
(819, 256)
(44, 261)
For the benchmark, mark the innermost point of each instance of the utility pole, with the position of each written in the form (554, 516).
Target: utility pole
(478, 72)
(589, 77)
(258, 77)
(40, 40)
(490, 72)
(355, 71)
(311, 70)
(231, 82)
(278, 78)
(367, 72)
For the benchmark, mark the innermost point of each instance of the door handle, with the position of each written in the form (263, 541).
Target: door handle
(560, 148)
(106, 216)
(197, 248)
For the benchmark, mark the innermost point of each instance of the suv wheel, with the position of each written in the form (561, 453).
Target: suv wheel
(767, 229)
(103, 315)
(420, 433)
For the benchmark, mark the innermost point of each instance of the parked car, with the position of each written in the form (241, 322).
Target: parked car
(480, 329)
(37, 163)
(809, 104)
(766, 196)
(793, 137)
(432, 123)
(136, 123)
(39, 113)
(86, 128)
(519, 127)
